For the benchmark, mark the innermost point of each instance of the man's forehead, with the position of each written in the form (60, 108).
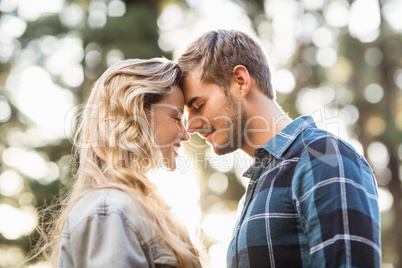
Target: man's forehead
(195, 73)
(192, 86)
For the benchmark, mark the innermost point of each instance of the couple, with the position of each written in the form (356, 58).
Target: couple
(311, 200)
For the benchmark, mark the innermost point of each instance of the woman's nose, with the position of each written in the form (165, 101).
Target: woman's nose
(185, 136)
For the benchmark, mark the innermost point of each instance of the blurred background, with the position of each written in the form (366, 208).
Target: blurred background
(339, 61)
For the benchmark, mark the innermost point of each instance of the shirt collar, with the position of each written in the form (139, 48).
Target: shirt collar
(278, 145)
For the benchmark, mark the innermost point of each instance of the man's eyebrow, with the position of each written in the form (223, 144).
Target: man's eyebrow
(191, 102)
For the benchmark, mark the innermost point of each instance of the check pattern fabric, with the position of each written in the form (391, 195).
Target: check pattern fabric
(312, 201)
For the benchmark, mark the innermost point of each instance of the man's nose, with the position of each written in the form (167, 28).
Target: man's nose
(194, 123)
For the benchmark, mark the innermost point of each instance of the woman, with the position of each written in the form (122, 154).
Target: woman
(114, 215)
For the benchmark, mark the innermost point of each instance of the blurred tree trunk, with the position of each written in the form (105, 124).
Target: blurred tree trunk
(390, 140)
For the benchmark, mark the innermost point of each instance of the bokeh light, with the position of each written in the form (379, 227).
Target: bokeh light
(385, 198)
(336, 13)
(392, 10)
(378, 154)
(5, 110)
(11, 183)
(398, 78)
(29, 163)
(400, 151)
(116, 8)
(313, 4)
(11, 256)
(283, 81)
(373, 56)
(16, 222)
(323, 37)
(373, 93)
(219, 226)
(114, 56)
(375, 125)
(364, 20)
(326, 57)
(12, 26)
(383, 176)
(349, 114)
(72, 16)
(218, 182)
(48, 115)
(313, 100)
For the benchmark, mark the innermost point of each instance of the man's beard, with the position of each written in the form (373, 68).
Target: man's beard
(238, 117)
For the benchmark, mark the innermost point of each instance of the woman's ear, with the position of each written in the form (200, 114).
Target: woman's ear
(242, 79)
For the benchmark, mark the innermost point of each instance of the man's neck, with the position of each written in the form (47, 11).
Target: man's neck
(265, 120)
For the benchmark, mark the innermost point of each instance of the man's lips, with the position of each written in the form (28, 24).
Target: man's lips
(208, 136)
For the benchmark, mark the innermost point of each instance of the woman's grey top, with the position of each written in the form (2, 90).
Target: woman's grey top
(105, 229)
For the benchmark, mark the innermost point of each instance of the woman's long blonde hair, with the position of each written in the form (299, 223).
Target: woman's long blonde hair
(115, 148)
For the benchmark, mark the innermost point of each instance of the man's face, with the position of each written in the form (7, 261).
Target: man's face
(217, 117)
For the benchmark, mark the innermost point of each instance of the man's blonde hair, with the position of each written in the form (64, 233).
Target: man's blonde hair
(218, 52)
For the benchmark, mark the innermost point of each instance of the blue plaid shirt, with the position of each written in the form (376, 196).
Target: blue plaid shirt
(312, 201)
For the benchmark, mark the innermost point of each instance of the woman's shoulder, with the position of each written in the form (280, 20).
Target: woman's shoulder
(105, 202)
(111, 222)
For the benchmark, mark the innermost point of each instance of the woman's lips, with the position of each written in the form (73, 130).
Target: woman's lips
(176, 147)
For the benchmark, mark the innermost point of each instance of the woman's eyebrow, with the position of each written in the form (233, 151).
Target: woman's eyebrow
(178, 110)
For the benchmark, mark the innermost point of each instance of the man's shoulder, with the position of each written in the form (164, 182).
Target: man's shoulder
(321, 141)
(317, 147)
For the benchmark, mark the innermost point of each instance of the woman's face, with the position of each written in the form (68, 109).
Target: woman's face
(166, 120)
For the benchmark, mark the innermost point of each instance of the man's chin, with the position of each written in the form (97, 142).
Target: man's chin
(225, 144)
(222, 150)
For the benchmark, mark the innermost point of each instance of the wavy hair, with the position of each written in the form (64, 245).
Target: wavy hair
(113, 133)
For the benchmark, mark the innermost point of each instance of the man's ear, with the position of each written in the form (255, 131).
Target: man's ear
(242, 79)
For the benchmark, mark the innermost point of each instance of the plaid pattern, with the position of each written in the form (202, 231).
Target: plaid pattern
(311, 202)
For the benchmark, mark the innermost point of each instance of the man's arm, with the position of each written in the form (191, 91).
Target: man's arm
(337, 200)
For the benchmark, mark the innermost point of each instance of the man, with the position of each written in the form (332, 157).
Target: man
(312, 199)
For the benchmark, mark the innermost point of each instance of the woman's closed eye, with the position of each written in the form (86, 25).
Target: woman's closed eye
(178, 117)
